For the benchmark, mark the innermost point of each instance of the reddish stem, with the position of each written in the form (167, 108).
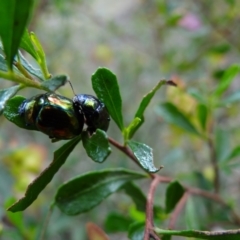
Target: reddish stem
(149, 211)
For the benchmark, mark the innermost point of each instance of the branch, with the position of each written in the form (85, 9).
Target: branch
(149, 211)
(20, 79)
(163, 179)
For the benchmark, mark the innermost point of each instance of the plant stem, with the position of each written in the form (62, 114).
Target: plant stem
(149, 211)
(21, 79)
(163, 179)
(23, 70)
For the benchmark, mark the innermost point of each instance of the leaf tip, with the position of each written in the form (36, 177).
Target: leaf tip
(171, 83)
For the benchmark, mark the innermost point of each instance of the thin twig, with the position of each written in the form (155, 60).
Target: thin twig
(177, 210)
(196, 191)
(149, 211)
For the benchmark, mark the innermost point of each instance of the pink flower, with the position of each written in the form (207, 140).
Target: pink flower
(190, 22)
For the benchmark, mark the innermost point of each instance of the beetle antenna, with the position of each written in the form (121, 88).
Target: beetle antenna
(71, 87)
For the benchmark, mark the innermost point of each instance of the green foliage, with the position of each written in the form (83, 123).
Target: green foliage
(116, 222)
(200, 110)
(226, 80)
(142, 107)
(83, 193)
(223, 235)
(136, 231)
(173, 194)
(34, 189)
(14, 17)
(105, 85)
(144, 155)
(96, 146)
(173, 115)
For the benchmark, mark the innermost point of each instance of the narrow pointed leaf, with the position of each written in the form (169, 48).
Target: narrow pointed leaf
(34, 71)
(11, 112)
(144, 155)
(217, 235)
(96, 146)
(87, 191)
(41, 58)
(227, 79)
(54, 83)
(173, 194)
(105, 85)
(173, 115)
(36, 187)
(143, 105)
(6, 94)
(14, 16)
(27, 45)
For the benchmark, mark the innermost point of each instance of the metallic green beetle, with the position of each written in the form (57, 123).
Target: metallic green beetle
(53, 115)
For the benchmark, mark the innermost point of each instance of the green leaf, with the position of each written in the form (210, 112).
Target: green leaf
(54, 83)
(144, 155)
(36, 187)
(12, 114)
(136, 231)
(202, 115)
(34, 71)
(41, 59)
(14, 16)
(96, 146)
(116, 222)
(6, 94)
(173, 115)
(217, 235)
(27, 45)
(143, 105)
(226, 80)
(105, 85)
(83, 193)
(173, 194)
(131, 128)
(222, 140)
(135, 193)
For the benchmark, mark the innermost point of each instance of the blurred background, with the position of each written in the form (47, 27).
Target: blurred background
(142, 42)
